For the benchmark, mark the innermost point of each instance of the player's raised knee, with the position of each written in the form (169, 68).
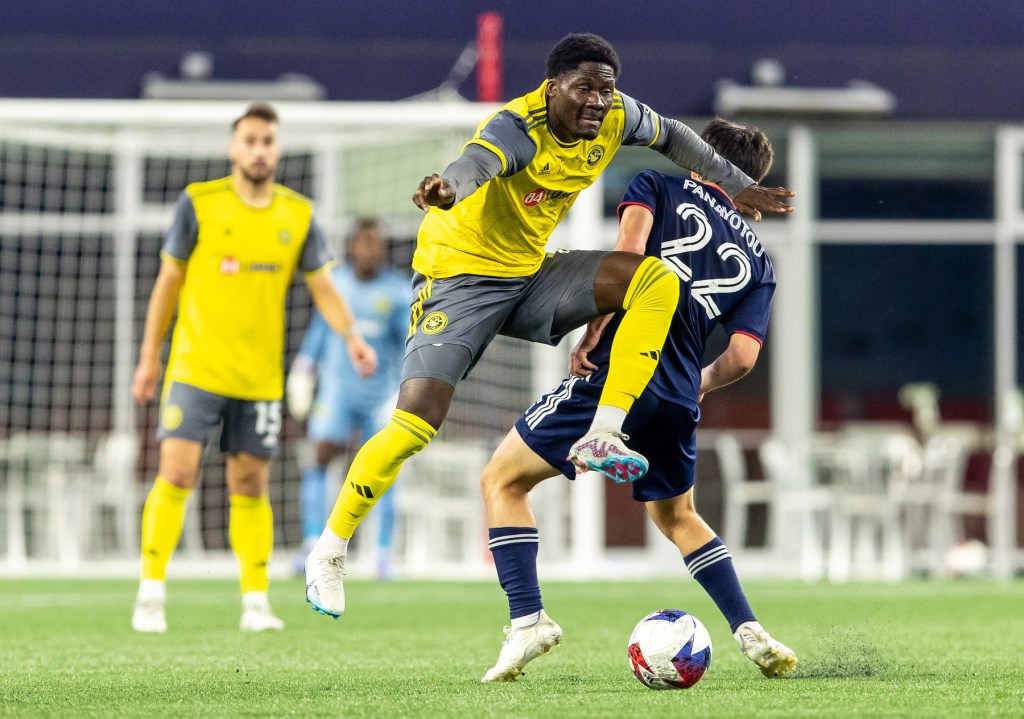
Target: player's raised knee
(653, 284)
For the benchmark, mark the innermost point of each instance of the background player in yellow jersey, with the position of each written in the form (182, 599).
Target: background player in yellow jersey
(482, 269)
(227, 263)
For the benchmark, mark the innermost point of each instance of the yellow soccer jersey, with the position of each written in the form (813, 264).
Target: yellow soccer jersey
(240, 260)
(501, 230)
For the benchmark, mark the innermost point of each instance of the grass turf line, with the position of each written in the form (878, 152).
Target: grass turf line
(416, 649)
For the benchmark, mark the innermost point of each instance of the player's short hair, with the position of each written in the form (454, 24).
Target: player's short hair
(359, 229)
(575, 49)
(746, 147)
(261, 111)
(363, 225)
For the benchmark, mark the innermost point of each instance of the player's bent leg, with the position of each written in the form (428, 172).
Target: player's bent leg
(650, 299)
(163, 517)
(512, 472)
(373, 471)
(709, 562)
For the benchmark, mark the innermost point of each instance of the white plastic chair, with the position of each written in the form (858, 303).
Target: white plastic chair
(869, 475)
(945, 464)
(114, 489)
(440, 514)
(740, 492)
(43, 471)
(806, 510)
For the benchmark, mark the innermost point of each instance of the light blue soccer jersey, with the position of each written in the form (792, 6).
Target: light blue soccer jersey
(381, 310)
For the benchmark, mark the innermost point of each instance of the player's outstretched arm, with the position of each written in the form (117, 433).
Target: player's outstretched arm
(162, 302)
(733, 364)
(685, 148)
(474, 167)
(338, 315)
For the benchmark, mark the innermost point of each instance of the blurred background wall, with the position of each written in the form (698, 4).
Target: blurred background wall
(943, 60)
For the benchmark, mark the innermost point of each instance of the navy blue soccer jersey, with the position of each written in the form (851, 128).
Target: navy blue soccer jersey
(726, 276)
(726, 279)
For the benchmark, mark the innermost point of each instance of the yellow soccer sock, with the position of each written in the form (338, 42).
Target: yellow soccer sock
(650, 304)
(375, 468)
(251, 533)
(162, 519)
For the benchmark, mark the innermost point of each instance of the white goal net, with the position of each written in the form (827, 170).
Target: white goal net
(86, 194)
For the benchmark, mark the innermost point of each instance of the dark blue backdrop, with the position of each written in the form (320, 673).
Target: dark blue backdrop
(942, 60)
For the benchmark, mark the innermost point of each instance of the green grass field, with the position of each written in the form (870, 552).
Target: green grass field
(413, 649)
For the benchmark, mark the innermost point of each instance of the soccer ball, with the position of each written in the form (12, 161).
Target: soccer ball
(669, 649)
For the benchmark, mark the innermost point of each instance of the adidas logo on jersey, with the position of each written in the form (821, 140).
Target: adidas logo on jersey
(653, 354)
(546, 170)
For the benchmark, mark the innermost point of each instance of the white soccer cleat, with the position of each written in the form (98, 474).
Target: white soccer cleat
(605, 451)
(257, 615)
(772, 657)
(523, 646)
(149, 616)
(325, 588)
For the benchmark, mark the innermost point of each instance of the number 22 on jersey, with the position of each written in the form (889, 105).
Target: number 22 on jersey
(703, 289)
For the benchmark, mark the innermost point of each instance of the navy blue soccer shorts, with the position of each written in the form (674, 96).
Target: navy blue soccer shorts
(664, 432)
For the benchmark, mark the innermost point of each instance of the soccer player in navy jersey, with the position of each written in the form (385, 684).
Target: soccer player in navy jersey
(482, 268)
(726, 279)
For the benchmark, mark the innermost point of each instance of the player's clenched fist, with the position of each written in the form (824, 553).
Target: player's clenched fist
(434, 191)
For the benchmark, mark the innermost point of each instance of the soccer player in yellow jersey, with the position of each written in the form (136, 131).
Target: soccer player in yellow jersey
(482, 270)
(226, 265)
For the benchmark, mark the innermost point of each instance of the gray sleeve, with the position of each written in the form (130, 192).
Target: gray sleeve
(642, 126)
(184, 232)
(502, 147)
(684, 147)
(315, 254)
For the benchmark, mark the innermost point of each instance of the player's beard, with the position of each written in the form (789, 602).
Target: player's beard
(261, 178)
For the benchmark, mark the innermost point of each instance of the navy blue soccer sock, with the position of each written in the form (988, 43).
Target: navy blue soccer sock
(711, 565)
(515, 557)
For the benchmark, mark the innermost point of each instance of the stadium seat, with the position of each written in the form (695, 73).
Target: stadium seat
(802, 513)
(868, 474)
(45, 474)
(740, 492)
(114, 493)
(440, 514)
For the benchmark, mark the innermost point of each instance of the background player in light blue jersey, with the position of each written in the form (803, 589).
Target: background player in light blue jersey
(727, 279)
(349, 409)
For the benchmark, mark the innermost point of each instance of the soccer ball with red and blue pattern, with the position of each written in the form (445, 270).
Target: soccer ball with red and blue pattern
(669, 649)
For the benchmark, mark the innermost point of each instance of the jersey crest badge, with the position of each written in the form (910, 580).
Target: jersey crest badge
(171, 417)
(594, 156)
(434, 323)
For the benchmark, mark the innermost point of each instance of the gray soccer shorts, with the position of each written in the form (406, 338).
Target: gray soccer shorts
(455, 318)
(187, 412)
